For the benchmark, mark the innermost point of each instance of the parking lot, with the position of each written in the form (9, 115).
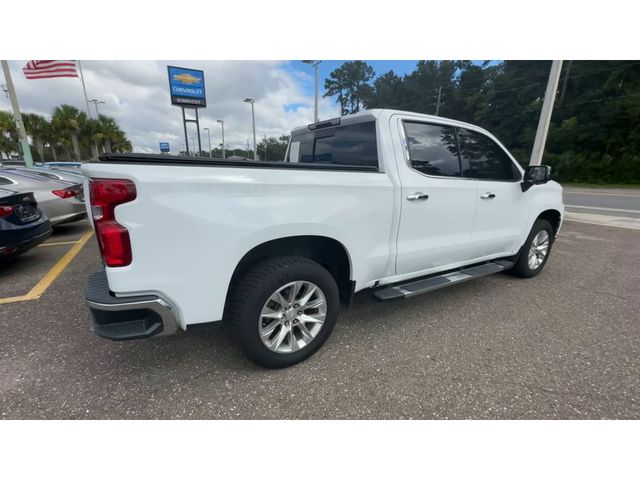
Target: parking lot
(565, 344)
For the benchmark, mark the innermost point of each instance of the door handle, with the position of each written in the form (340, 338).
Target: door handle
(487, 195)
(417, 196)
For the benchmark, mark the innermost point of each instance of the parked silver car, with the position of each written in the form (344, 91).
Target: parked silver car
(53, 173)
(61, 201)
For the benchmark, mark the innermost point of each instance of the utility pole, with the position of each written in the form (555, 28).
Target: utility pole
(22, 133)
(438, 104)
(545, 114)
(565, 81)
(209, 138)
(223, 145)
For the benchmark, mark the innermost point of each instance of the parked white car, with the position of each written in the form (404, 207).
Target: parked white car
(396, 202)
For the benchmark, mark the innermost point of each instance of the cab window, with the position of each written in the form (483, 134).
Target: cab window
(432, 149)
(353, 145)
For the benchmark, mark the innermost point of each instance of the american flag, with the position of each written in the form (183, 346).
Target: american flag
(49, 69)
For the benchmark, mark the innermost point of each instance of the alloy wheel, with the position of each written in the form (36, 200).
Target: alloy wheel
(292, 317)
(539, 249)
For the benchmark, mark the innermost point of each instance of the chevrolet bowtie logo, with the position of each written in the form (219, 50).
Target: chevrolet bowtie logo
(186, 78)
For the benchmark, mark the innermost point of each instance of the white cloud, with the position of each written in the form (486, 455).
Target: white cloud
(137, 96)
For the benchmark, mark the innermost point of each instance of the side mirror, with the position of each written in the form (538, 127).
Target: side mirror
(535, 175)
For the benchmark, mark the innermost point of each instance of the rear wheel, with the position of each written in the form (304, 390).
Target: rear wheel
(536, 249)
(284, 310)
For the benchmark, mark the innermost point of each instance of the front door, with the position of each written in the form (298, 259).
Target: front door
(503, 209)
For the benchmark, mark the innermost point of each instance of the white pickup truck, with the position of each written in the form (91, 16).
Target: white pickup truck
(396, 202)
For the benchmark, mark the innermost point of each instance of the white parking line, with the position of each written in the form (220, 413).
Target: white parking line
(606, 220)
(630, 194)
(603, 208)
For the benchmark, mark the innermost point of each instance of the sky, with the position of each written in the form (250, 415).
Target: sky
(136, 94)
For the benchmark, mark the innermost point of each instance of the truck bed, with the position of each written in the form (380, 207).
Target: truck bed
(155, 159)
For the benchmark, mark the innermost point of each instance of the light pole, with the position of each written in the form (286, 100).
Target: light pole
(265, 147)
(253, 118)
(209, 138)
(222, 123)
(95, 104)
(315, 64)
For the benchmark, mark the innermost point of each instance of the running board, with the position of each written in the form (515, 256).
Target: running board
(416, 287)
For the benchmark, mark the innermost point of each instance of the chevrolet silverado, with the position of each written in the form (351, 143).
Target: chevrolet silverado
(395, 202)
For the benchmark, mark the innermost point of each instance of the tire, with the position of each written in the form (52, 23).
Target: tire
(254, 295)
(525, 267)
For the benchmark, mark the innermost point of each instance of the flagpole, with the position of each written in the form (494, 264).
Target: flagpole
(22, 133)
(84, 89)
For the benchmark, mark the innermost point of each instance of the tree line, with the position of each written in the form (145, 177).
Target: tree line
(594, 134)
(70, 135)
(271, 149)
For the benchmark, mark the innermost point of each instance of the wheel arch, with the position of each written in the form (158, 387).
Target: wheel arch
(326, 251)
(554, 217)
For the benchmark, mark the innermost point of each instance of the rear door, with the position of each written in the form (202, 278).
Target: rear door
(502, 208)
(438, 204)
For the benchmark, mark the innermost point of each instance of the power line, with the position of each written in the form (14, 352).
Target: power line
(603, 100)
(408, 101)
(481, 81)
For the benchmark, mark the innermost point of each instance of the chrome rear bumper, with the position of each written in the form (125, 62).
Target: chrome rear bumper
(127, 318)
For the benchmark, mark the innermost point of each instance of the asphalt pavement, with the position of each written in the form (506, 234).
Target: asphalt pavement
(563, 345)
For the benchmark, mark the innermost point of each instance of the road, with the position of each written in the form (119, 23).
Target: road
(615, 207)
(563, 345)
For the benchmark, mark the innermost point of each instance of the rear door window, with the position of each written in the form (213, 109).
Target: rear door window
(354, 145)
(432, 149)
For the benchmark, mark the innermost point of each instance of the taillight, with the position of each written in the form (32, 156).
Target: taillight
(6, 210)
(113, 238)
(66, 193)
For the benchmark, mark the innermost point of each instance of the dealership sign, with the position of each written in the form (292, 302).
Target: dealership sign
(187, 87)
(164, 147)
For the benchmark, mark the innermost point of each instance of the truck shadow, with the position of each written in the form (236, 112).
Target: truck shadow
(213, 349)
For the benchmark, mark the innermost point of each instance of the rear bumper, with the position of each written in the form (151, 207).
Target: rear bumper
(127, 318)
(21, 241)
